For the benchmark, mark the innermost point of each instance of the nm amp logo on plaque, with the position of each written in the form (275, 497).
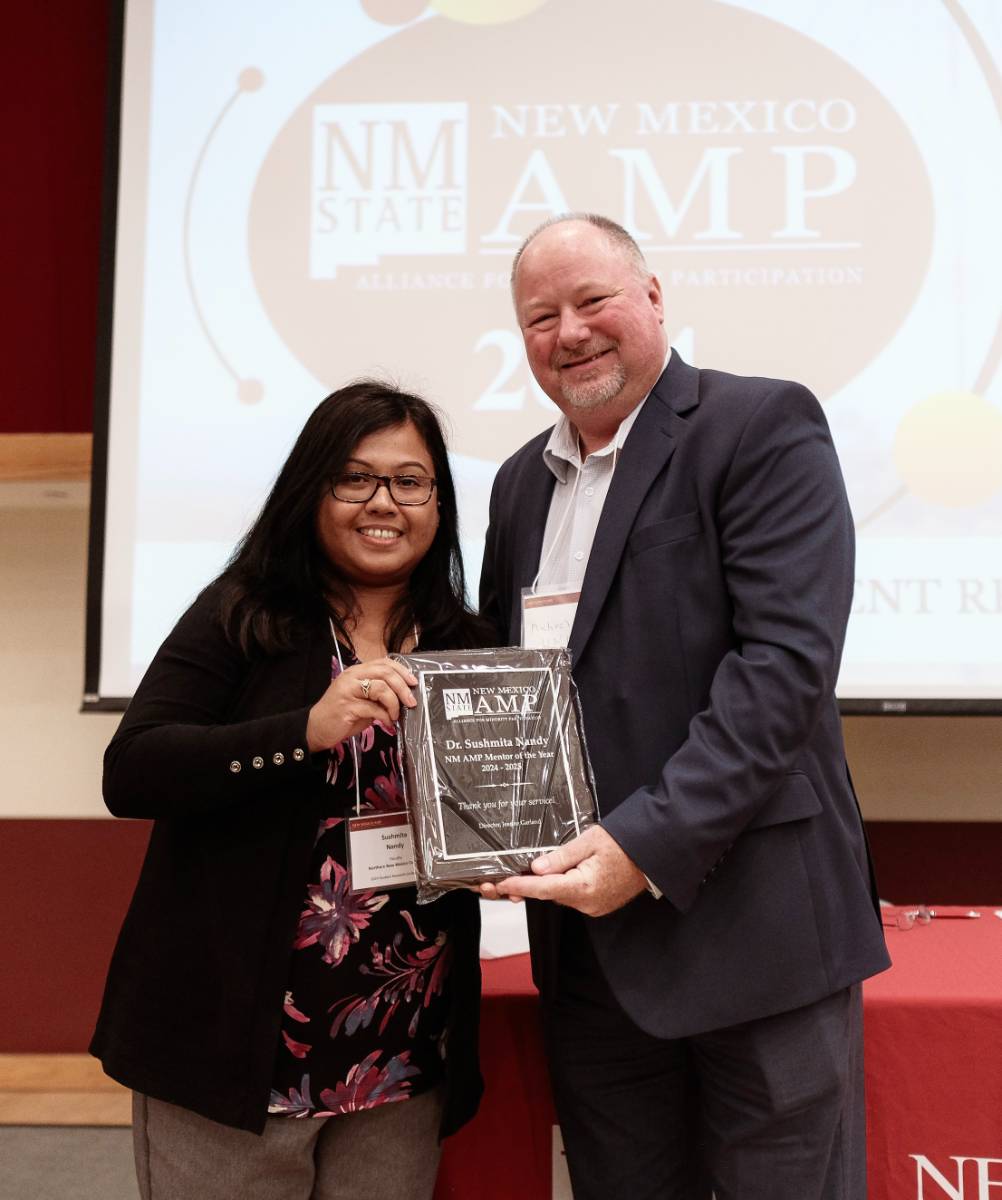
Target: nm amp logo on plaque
(387, 179)
(458, 703)
(513, 700)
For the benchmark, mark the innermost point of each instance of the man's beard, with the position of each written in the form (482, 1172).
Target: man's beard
(594, 393)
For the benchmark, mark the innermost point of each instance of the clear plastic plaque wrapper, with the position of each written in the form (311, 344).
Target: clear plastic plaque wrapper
(494, 763)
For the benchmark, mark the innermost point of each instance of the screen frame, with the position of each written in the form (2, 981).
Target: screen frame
(92, 699)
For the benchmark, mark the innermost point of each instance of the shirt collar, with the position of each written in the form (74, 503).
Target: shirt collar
(561, 450)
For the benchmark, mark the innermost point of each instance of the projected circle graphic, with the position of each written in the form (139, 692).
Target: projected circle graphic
(251, 79)
(394, 12)
(486, 12)
(403, 201)
(948, 450)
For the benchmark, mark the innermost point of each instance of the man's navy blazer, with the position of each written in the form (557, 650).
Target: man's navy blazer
(706, 647)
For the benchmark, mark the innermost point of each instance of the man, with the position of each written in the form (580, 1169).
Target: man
(699, 952)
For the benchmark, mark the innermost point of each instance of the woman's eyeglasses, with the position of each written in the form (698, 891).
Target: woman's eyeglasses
(358, 487)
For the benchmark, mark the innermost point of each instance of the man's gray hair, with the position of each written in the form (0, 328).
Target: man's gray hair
(615, 233)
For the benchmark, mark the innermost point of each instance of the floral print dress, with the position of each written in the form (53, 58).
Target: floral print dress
(365, 1013)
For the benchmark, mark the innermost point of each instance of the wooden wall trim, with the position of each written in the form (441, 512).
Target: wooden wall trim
(45, 456)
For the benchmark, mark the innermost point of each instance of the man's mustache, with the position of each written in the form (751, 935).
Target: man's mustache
(589, 351)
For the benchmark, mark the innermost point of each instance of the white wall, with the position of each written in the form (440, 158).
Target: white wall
(51, 751)
(905, 768)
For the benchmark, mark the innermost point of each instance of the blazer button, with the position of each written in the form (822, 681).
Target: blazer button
(298, 754)
(235, 767)
(278, 758)
(257, 762)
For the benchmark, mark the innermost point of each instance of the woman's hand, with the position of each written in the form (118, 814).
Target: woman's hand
(348, 707)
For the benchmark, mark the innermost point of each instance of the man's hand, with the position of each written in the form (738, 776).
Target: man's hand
(592, 874)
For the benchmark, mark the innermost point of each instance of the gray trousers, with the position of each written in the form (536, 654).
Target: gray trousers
(386, 1153)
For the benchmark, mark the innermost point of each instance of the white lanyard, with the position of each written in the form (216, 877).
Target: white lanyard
(379, 845)
(354, 744)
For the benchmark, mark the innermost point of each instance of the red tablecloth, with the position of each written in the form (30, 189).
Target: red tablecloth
(933, 1076)
(934, 1061)
(507, 1150)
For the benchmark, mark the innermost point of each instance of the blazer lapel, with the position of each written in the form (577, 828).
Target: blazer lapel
(646, 453)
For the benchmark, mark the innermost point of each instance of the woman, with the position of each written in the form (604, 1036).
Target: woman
(251, 985)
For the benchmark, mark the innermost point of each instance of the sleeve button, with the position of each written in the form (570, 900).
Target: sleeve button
(257, 762)
(298, 754)
(235, 767)
(278, 758)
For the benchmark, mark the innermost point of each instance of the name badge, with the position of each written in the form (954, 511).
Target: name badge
(548, 616)
(380, 851)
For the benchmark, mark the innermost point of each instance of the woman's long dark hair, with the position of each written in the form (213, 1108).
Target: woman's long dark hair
(278, 580)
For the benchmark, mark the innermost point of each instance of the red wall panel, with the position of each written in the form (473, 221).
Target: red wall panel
(65, 886)
(949, 862)
(54, 66)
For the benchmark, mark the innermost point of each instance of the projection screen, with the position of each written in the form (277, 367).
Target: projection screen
(312, 192)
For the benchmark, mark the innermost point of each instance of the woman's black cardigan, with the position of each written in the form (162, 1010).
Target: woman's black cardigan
(193, 1001)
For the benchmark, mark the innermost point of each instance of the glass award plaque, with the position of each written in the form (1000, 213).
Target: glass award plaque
(494, 763)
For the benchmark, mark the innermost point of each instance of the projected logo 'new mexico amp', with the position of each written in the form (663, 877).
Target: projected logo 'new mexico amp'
(404, 193)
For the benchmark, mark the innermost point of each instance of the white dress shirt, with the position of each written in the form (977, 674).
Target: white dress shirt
(577, 500)
(575, 507)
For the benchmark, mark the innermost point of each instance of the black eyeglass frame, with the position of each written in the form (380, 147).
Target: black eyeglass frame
(386, 481)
